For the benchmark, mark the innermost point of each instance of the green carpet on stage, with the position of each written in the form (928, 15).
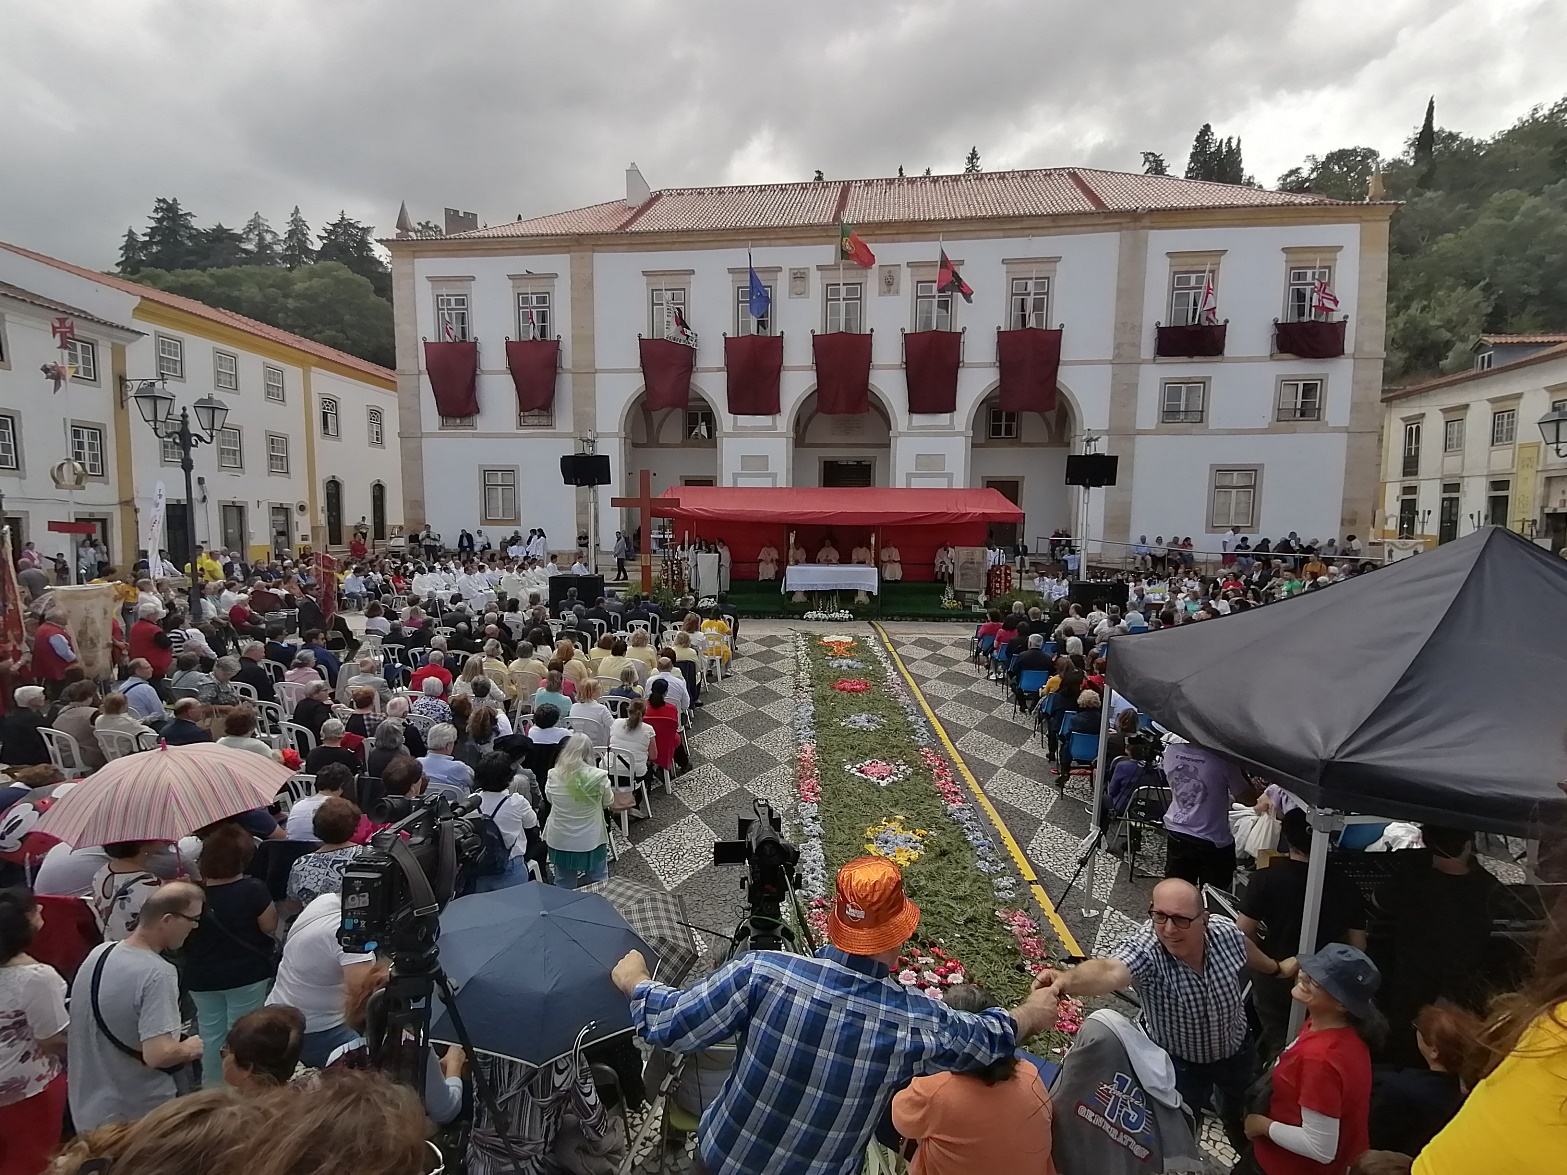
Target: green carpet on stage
(899, 601)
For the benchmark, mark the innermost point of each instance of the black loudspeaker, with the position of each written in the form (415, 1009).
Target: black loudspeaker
(1089, 593)
(589, 588)
(585, 469)
(1091, 469)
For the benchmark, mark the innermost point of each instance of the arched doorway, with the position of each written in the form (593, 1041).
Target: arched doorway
(378, 512)
(1022, 455)
(845, 451)
(678, 446)
(334, 512)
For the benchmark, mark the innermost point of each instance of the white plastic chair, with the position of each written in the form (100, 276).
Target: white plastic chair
(622, 774)
(644, 625)
(298, 737)
(616, 705)
(269, 722)
(276, 668)
(290, 694)
(420, 722)
(116, 744)
(591, 727)
(248, 692)
(64, 752)
(715, 648)
(294, 789)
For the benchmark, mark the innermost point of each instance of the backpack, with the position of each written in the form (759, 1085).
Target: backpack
(494, 855)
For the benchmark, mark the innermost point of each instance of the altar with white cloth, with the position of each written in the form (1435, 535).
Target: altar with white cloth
(831, 577)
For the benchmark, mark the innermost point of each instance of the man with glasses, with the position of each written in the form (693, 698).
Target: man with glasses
(124, 1037)
(1189, 969)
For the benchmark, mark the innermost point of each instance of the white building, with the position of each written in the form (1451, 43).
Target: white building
(1264, 440)
(1467, 450)
(308, 449)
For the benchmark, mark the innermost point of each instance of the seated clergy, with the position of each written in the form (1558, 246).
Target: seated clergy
(828, 553)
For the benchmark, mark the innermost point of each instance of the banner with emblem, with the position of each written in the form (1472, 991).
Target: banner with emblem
(152, 535)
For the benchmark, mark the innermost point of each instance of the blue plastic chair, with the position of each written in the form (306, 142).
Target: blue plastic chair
(1082, 747)
(1050, 648)
(1029, 682)
(986, 643)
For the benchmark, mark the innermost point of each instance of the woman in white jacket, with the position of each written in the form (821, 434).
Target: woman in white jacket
(576, 832)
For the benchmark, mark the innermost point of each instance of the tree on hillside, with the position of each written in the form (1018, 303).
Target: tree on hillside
(261, 242)
(428, 228)
(297, 248)
(325, 302)
(971, 164)
(347, 241)
(1344, 174)
(172, 240)
(219, 247)
(1425, 139)
(1215, 159)
(1154, 164)
(130, 253)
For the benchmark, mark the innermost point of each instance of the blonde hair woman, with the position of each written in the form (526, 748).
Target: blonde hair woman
(472, 668)
(576, 833)
(641, 650)
(682, 646)
(573, 665)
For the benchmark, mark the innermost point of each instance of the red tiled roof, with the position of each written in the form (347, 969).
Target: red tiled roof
(1447, 381)
(213, 314)
(1523, 340)
(1052, 191)
(18, 294)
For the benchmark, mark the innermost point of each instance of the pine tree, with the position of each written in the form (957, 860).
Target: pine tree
(172, 240)
(261, 242)
(219, 247)
(971, 164)
(1154, 164)
(900, 171)
(1425, 141)
(297, 249)
(351, 244)
(130, 253)
(1202, 163)
(1230, 169)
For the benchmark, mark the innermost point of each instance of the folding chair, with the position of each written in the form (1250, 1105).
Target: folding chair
(64, 752)
(1145, 810)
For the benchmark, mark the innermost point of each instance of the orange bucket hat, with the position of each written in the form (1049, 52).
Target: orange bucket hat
(871, 913)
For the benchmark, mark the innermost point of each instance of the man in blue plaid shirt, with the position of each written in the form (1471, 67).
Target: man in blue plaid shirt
(824, 1042)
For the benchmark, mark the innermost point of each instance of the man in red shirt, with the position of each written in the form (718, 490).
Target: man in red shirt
(54, 656)
(151, 644)
(434, 666)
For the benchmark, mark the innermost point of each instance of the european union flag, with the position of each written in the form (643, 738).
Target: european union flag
(761, 300)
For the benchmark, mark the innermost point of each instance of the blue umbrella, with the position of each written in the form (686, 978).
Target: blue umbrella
(530, 966)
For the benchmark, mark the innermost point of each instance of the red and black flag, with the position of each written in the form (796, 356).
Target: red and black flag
(948, 278)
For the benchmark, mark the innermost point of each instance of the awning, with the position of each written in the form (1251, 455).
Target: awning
(812, 506)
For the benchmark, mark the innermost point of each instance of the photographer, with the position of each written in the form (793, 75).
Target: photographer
(824, 1042)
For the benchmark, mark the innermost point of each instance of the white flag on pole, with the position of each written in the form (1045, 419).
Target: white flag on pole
(153, 532)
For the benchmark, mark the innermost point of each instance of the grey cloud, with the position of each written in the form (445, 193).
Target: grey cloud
(508, 108)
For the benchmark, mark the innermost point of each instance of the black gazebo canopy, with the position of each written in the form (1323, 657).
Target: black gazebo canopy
(1434, 689)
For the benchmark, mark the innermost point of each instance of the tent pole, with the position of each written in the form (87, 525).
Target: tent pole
(1311, 915)
(1090, 908)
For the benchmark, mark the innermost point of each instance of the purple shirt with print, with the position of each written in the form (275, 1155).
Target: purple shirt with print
(1201, 785)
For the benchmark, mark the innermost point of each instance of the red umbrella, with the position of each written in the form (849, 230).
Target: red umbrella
(163, 794)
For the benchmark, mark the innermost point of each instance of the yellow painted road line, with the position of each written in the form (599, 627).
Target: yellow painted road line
(1027, 870)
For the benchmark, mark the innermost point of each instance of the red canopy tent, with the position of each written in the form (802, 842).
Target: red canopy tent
(917, 522)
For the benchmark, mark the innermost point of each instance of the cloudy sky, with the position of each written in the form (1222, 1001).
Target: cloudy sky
(528, 106)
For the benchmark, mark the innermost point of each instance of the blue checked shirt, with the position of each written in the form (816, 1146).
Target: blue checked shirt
(824, 1043)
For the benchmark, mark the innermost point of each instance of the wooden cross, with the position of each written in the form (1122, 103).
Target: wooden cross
(650, 508)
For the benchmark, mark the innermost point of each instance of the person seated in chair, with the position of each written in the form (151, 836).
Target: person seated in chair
(1084, 721)
(828, 552)
(1033, 657)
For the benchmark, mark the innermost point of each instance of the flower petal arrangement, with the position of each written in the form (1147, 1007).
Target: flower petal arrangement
(871, 780)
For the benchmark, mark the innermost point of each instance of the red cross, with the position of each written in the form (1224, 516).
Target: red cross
(650, 508)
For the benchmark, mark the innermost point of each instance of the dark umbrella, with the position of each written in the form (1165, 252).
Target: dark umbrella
(530, 966)
(660, 918)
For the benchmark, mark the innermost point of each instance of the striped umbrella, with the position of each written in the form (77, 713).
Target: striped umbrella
(163, 794)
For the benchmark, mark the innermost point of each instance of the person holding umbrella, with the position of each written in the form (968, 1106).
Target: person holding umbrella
(825, 1040)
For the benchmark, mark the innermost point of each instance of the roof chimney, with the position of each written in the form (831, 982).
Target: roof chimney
(637, 191)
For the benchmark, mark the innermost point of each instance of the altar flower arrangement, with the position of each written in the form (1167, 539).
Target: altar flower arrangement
(837, 617)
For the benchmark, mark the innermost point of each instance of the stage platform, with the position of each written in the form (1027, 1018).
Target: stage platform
(900, 601)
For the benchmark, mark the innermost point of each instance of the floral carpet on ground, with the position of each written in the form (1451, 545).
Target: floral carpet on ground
(871, 779)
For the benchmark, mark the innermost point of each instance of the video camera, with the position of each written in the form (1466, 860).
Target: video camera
(771, 880)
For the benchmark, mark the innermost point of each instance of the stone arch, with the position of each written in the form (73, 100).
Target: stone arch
(828, 449)
(659, 442)
(1029, 467)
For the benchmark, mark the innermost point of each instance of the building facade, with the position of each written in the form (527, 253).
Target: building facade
(1254, 437)
(309, 447)
(1467, 450)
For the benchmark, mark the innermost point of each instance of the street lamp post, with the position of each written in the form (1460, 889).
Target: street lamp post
(1553, 428)
(156, 404)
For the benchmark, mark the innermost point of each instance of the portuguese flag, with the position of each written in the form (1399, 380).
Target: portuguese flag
(852, 248)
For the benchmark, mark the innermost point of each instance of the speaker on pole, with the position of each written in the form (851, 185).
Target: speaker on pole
(585, 469)
(1091, 469)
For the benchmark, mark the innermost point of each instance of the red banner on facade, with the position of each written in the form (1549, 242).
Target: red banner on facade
(843, 373)
(533, 364)
(453, 369)
(1029, 361)
(930, 366)
(754, 365)
(666, 372)
(1310, 340)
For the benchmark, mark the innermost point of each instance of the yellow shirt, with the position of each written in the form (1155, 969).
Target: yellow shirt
(1515, 1121)
(643, 654)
